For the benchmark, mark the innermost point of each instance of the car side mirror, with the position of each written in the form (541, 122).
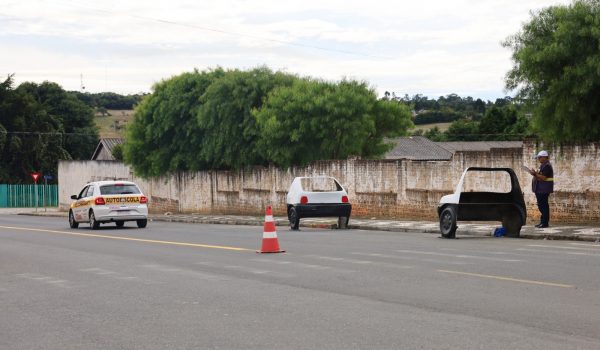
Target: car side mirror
(74, 196)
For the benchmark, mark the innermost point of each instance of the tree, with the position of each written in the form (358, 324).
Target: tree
(435, 134)
(40, 124)
(117, 152)
(229, 129)
(463, 130)
(314, 119)
(556, 59)
(165, 135)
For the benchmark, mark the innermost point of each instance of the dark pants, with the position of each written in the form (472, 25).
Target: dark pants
(544, 207)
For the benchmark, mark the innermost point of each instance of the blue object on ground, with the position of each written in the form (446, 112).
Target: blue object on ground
(499, 231)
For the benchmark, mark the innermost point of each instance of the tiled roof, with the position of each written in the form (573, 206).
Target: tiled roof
(108, 144)
(478, 146)
(417, 148)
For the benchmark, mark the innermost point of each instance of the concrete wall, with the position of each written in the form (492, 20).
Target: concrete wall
(377, 188)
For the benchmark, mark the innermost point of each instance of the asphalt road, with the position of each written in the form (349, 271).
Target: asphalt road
(189, 286)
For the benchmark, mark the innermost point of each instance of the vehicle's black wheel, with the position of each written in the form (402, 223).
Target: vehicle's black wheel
(512, 224)
(294, 219)
(94, 224)
(343, 222)
(120, 223)
(448, 222)
(72, 222)
(142, 223)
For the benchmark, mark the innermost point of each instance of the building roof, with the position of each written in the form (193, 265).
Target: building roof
(108, 144)
(479, 146)
(417, 148)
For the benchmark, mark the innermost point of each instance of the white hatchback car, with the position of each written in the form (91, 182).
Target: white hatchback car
(109, 201)
(317, 196)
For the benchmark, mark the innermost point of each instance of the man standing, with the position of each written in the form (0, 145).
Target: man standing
(542, 185)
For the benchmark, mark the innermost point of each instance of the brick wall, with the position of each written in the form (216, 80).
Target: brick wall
(377, 188)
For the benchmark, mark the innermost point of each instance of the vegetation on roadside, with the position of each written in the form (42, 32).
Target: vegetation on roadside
(40, 124)
(229, 119)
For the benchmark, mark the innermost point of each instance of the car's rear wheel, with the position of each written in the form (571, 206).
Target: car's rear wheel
(294, 219)
(94, 224)
(120, 223)
(343, 222)
(142, 223)
(72, 222)
(512, 224)
(448, 222)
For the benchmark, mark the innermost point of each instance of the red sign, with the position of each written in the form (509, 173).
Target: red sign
(35, 176)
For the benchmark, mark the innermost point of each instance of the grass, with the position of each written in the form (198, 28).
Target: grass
(425, 127)
(113, 124)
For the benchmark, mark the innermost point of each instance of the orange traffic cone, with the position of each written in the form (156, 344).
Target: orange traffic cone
(270, 244)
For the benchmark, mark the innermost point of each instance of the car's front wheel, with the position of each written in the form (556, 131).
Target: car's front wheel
(142, 223)
(94, 224)
(448, 222)
(72, 222)
(294, 219)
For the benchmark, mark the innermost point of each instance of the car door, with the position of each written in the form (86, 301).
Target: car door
(82, 205)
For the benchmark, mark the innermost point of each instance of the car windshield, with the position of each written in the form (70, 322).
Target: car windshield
(119, 189)
(319, 184)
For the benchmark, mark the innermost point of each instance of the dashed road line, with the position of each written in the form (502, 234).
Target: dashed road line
(460, 256)
(509, 279)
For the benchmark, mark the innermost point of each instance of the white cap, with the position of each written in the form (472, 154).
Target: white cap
(542, 154)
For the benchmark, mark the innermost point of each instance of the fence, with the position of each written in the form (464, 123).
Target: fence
(24, 196)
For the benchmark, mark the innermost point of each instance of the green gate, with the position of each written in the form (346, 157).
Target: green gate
(24, 196)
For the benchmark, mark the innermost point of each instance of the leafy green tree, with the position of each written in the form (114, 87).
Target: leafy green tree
(313, 120)
(496, 120)
(165, 135)
(117, 152)
(435, 134)
(463, 130)
(71, 116)
(503, 123)
(38, 125)
(229, 129)
(557, 68)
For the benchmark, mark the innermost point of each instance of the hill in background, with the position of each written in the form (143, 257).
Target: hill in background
(113, 122)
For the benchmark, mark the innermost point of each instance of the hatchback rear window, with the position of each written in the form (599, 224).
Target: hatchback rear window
(119, 189)
(319, 184)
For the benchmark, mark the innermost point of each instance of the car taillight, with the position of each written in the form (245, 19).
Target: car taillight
(344, 199)
(303, 200)
(143, 199)
(100, 201)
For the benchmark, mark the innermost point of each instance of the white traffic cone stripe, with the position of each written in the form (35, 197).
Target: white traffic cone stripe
(269, 218)
(269, 234)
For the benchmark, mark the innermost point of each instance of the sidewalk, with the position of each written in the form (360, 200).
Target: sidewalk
(555, 232)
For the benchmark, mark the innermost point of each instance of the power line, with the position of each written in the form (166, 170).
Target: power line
(56, 133)
(226, 32)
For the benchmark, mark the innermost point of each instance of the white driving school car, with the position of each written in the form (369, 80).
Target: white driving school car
(109, 201)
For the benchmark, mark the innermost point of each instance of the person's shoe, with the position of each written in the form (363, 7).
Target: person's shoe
(538, 225)
(543, 226)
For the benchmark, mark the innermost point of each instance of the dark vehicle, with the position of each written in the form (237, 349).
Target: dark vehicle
(506, 207)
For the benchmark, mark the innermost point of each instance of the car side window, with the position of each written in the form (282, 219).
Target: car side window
(83, 192)
(90, 191)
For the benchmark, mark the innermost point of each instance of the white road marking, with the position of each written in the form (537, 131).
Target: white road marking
(562, 247)
(387, 256)
(558, 252)
(460, 256)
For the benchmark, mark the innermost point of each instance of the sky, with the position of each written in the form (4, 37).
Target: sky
(427, 47)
